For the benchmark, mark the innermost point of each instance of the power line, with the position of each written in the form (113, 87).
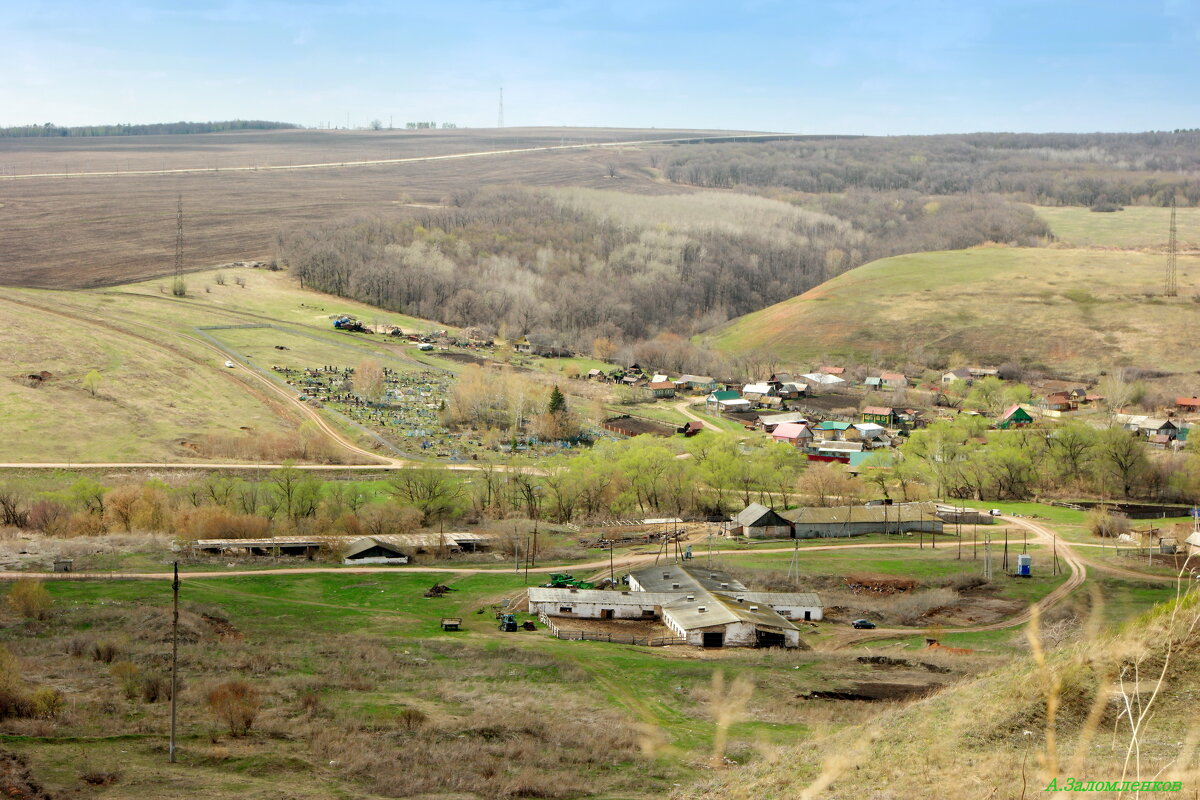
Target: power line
(1172, 256)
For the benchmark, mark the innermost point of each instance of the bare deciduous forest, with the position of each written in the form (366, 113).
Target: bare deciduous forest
(1045, 169)
(582, 264)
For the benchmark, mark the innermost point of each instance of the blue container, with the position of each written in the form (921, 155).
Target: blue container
(1024, 565)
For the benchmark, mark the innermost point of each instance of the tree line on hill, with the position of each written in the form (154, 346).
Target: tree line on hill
(49, 129)
(1044, 169)
(563, 264)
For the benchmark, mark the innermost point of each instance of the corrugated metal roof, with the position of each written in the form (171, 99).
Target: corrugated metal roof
(271, 541)
(791, 430)
(541, 594)
(784, 599)
(752, 514)
(652, 579)
(687, 614)
(430, 539)
(779, 419)
(904, 512)
(722, 610)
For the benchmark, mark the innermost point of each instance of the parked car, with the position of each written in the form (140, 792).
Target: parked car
(995, 512)
(229, 364)
(863, 623)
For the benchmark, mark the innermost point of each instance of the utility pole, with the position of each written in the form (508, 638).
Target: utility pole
(612, 574)
(174, 656)
(178, 289)
(1006, 549)
(1172, 255)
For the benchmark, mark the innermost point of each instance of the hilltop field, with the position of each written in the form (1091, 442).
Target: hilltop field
(1093, 299)
(161, 387)
(75, 230)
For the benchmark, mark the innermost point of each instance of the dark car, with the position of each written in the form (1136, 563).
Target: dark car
(862, 623)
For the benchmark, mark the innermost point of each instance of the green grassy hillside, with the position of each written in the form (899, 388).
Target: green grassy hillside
(1007, 734)
(1135, 226)
(161, 384)
(1072, 308)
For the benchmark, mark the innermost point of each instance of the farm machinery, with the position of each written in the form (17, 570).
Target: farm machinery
(508, 623)
(565, 580)
(350, 324)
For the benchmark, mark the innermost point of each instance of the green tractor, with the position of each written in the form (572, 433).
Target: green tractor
(508, 623)
(565, 580)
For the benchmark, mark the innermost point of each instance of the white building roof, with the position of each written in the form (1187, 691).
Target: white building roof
(542, 594)
(821, 377)
(785, 599)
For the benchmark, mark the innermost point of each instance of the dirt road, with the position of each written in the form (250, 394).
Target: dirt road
(386, 161)
(682, 408)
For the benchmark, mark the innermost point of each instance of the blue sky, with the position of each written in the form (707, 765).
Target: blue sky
(862, 66)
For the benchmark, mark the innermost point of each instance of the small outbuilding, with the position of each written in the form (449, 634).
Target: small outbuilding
(756, 521)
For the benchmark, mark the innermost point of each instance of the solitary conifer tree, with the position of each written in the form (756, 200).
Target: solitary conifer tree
(558, 403)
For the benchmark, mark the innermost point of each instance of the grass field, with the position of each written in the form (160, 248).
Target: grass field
(1135, 227)
(148, 398)
(1078, 309)
(346, 662)
(160, 382)
(231, 216)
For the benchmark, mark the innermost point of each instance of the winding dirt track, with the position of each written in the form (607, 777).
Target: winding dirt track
(682, 408)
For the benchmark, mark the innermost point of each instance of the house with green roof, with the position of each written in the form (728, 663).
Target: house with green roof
(1014, 417)
(713, 400)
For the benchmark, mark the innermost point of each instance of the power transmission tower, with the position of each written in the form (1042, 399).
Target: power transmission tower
(179, 290)
(1172, 257)
(500, 117)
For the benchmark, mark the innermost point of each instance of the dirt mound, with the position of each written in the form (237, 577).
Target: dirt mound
(16, 782)
(862, 583)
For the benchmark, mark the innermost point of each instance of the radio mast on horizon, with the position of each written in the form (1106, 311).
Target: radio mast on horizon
(500, 117)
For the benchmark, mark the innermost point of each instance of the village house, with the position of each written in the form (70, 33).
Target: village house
(822, 380)
(698, 383)
(1014, 417)
(796, 434)
(1188, 404)
(763, 388)
(792, 390)
(894, 380)
(734, 405)
(662, 389)
(831, 430)
(832, 370)
(1151, 427)
(541, 344)
(960, 374)
(872, 435)
(879, 415)
(713, 401)
(768, 422)
(1059, 401)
